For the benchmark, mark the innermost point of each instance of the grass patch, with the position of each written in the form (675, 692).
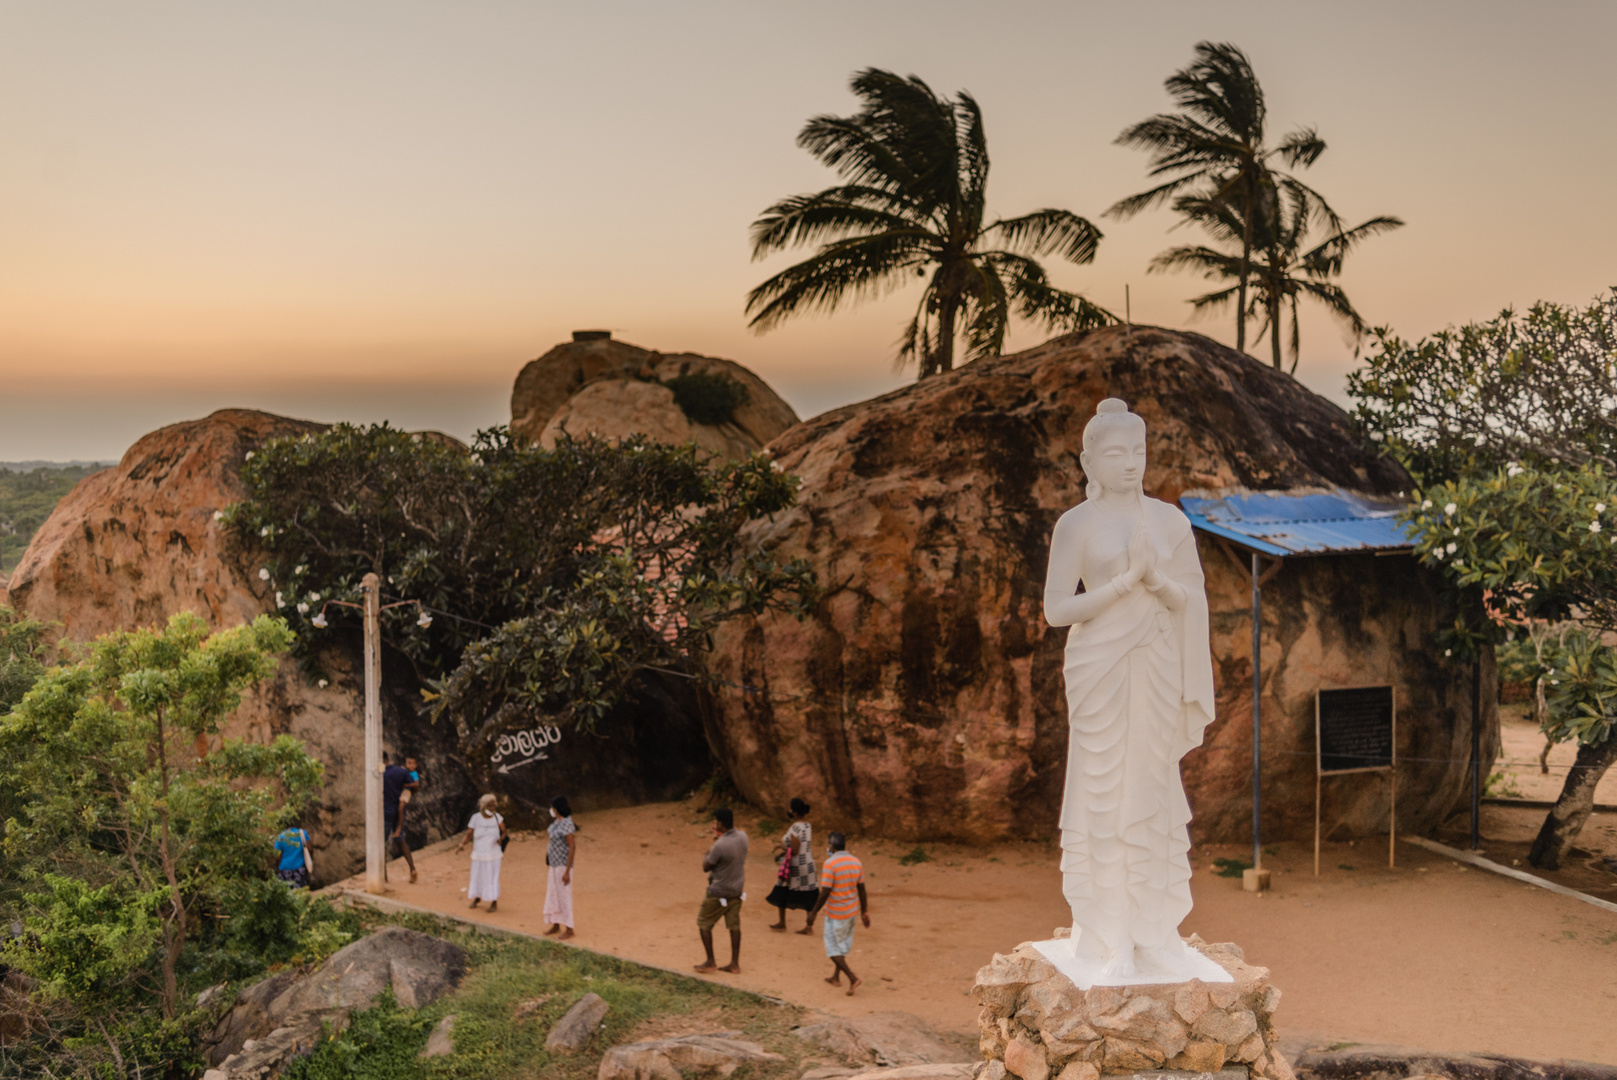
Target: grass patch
(910, 858)
(1345, 866)
(1230, 867)
(494, 1042)
(769, 826)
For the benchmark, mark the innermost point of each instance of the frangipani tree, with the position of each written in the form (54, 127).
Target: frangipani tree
(1508, 426)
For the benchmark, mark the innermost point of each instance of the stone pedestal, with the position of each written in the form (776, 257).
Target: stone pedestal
(1037, 1025)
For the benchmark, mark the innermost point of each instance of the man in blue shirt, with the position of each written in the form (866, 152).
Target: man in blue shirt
(292, 846)
(396, 780)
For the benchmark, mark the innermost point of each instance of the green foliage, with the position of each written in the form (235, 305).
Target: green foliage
(1230, 868)
(132, 812)
(22, 656)
(260, 923)
(708, 397)
(562, 573)
(381, 1043)
(914, 196)
(912, 858)
(1536, 389)
(26, 500)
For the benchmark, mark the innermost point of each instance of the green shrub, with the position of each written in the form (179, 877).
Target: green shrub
(708, 397)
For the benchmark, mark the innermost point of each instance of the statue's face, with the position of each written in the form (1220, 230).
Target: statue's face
(1117, 460)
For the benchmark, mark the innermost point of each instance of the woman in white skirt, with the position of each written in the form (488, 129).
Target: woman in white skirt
(559, 853)
(485, 832)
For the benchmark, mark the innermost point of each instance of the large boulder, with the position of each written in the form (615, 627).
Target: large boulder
(923, 696)
(273, 1020)
(610, 388)
(131, 545)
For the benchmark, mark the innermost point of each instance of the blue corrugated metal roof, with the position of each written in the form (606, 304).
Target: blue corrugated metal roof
(1304, 522)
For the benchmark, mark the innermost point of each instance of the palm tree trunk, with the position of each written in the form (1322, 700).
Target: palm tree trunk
(946, 311)
(1246, 265)
(1576, 803)
(1274, 311)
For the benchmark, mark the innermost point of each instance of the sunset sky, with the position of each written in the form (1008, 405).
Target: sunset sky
(382, 210)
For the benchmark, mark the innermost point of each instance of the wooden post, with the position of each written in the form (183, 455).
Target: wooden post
(1319, 779)
(1392, 777)
(375, 855)
(1476, 754)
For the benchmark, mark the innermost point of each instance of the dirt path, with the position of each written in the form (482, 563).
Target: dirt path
(1431, 954)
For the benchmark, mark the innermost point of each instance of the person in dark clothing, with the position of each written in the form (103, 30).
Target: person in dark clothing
(396, 780)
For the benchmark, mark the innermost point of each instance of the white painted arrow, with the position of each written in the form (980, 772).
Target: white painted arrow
(525, 761)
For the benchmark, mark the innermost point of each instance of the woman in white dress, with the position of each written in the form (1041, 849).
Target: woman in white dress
(1139, 681)
(485, 832)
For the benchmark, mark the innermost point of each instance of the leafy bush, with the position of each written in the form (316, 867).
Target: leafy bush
(919, 855)
(559, 574)
(708, 397)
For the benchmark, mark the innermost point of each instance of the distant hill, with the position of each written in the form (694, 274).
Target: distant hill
(29, 491)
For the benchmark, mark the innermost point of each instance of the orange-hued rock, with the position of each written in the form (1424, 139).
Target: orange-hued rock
(131, 545)
(613, 389)
(923, 696)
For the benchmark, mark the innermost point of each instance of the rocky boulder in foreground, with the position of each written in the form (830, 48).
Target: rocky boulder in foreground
(923, 696)
(610, 388)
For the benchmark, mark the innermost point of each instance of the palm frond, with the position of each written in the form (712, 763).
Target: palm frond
(1210, 262)
(1046, 232)
(833, 214)
(848, 270)
(1301, 148)
(1034, 298)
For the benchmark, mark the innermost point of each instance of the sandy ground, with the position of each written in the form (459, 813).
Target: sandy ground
(1518, 771)
(1431, 954)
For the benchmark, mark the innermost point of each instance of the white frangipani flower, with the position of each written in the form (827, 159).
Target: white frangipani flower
(1448, 511)
(320, 620)
(1600, 508)
(249, 456)
(1451, 548)
(1448, 652)
(322, 684)
(265, 531)
(218, 515)
(263, 573)
(1594, 526)
(280, 601)
(303, 609)
(299, 569)
(1427, 505)
(1514, 469)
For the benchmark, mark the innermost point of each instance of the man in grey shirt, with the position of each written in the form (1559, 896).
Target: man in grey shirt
(726, 866)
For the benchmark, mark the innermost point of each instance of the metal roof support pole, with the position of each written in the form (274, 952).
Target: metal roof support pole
(1257, 716)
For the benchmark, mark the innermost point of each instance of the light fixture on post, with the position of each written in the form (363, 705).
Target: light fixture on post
(372, 607)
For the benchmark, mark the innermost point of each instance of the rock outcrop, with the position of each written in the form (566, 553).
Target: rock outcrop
(885, 1039)
(923, 696)
(610, 388)
(697, 1057)
(280, 1018)
(130, 546)
(1036, 1025)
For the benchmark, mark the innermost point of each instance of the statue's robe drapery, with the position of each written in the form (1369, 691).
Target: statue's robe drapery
(1139, 695)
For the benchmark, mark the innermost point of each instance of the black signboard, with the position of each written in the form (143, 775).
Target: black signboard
(1355, 729)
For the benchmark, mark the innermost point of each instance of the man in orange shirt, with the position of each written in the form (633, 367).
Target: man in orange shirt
(842, 892)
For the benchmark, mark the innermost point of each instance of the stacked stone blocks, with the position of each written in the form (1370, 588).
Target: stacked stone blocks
(1036, 1024)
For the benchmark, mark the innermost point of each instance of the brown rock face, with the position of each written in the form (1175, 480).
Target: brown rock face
(923, 698)
(132, 545)
(614, 389)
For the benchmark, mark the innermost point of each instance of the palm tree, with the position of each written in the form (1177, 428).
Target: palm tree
(1289, 269)
(1216, 144)
(915, 171)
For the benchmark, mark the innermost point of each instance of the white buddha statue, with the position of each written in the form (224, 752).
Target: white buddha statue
(1139, 678)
